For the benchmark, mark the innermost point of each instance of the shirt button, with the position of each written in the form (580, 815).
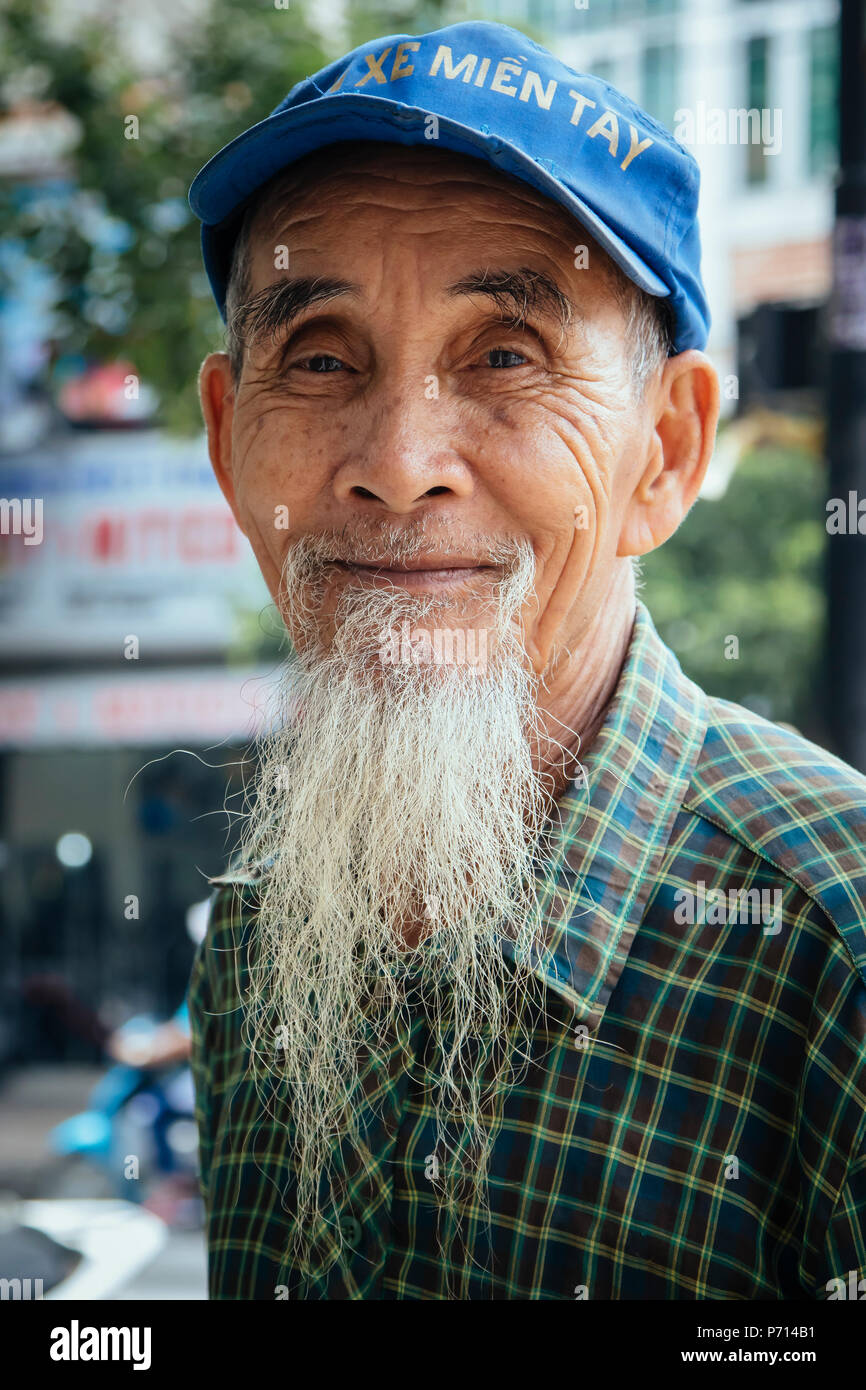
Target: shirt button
(350, 1228)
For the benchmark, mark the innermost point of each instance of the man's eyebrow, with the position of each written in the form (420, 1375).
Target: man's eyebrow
(519, 295)
(277, 306)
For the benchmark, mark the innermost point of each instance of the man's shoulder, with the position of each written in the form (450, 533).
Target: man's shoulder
(219, 967)
(793, 804)
(769, 775)
(233, 896)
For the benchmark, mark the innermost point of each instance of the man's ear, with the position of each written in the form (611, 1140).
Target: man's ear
(217, 394)
(686, 407)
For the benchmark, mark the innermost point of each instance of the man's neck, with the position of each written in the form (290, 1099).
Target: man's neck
(575, 698)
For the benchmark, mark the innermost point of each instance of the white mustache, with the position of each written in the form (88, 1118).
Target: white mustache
(393, 546)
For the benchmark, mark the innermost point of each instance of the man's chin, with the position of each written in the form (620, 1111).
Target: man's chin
(435, 644)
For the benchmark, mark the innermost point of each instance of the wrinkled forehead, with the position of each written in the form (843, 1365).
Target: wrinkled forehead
(338, 183)
(356, 167)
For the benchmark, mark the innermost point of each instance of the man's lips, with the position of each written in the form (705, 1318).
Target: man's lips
(438, 569)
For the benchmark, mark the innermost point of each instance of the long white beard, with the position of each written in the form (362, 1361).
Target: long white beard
(390, 794)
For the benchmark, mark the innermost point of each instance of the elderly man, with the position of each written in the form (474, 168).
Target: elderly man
(539, 973)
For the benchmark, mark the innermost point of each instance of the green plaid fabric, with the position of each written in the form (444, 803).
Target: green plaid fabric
(692, 1124)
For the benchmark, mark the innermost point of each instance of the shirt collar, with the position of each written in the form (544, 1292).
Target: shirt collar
(615, 823)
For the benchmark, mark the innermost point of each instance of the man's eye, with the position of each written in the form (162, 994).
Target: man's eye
(321, 363)
(504, 357)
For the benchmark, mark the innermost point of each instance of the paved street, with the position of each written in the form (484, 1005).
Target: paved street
(32, 1101)
(179, 1271)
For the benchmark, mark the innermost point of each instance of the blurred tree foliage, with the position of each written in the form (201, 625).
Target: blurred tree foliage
(749, 565)
(118, 235)
(373, 18)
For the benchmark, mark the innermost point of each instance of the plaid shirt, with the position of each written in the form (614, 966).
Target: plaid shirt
(693, 1121)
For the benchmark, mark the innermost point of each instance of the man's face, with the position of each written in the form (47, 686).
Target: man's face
(413, 397)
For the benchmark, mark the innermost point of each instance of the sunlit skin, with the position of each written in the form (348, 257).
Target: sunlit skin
(335, 422)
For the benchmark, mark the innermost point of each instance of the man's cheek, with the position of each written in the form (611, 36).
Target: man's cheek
(574, 567)
(266, 532)
(272, 487)
(574, 556)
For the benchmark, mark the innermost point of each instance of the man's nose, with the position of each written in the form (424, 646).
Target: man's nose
(404, 454)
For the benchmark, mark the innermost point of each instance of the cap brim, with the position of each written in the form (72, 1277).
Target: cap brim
(220, 190)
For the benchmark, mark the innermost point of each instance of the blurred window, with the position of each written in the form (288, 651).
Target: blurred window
(593, 14)
(823, 100)
(756, 99)
(605, 69)
(575, 17)
(660, 72)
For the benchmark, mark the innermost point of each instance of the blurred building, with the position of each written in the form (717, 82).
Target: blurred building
(766, 204)
(125, 707)
(129, 633)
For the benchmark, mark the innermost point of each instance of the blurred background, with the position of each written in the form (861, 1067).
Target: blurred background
(135, 630)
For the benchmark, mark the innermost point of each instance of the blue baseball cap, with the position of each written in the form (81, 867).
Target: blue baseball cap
(487, 91)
